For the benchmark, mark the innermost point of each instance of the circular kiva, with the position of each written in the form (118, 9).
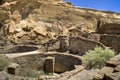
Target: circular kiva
(49, 62)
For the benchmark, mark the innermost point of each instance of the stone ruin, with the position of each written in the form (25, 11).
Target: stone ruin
(52, 63)
(53, 33)
(107, 34)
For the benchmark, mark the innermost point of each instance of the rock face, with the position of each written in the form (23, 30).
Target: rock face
(42, 20)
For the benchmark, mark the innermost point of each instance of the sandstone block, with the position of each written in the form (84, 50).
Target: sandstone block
(13, 68)
(11, 27)
(112, 76)
(117, 68)
(102, 72)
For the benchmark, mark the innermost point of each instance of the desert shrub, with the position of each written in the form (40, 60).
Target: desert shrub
(4, 61)
(32, 73)
(97, 58)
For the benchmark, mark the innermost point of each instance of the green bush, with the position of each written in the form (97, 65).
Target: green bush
(4, 61)
(97, 58)
(32, 73)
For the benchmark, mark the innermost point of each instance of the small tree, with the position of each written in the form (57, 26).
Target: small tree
(97, 58)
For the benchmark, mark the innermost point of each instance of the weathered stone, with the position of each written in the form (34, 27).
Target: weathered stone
(112, 76)
(111, 40)
(11, 27)
(105, 70)
(113, 62)
(22, 24)
(20, 34)
(92, 36)
(84, 75)
(49, 65)
(109, 28)
(16, 16)
(42, 20)
(63, 43)
(13, 68)
(117, 69)
(102, 72)
(75, 32)
(53, 15)
(4, 12)
(52, 45)
(79, 45)
(111, 71)
(24, 38)
(41, 30)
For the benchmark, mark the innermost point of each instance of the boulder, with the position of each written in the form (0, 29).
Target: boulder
(24, 38)
(112, 76)
(20, 34)
(106, 70)
(11, 27)
(12, 68)
(102, 72)
(113, 62)
(117, 69)
(22, 24)
(16, 16)
(40, 30)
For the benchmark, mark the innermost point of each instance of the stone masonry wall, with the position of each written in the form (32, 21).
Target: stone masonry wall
(79, 45)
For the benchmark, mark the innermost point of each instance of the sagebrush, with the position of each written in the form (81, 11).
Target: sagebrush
(97, 58)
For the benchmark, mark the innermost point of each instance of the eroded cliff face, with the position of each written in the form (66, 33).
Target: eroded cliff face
(42, 20)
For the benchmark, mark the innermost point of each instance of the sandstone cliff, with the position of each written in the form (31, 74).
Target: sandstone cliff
(42, 20)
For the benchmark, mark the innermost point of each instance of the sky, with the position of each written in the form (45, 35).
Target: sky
(111, 5)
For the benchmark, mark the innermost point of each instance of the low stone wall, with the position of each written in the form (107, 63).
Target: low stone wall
(110, 40)
(52, 45)
(109, 29)
(79, 45)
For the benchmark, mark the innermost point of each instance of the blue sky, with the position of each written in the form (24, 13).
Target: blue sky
(112, 5)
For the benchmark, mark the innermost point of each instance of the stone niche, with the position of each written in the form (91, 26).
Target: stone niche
(58, 62)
